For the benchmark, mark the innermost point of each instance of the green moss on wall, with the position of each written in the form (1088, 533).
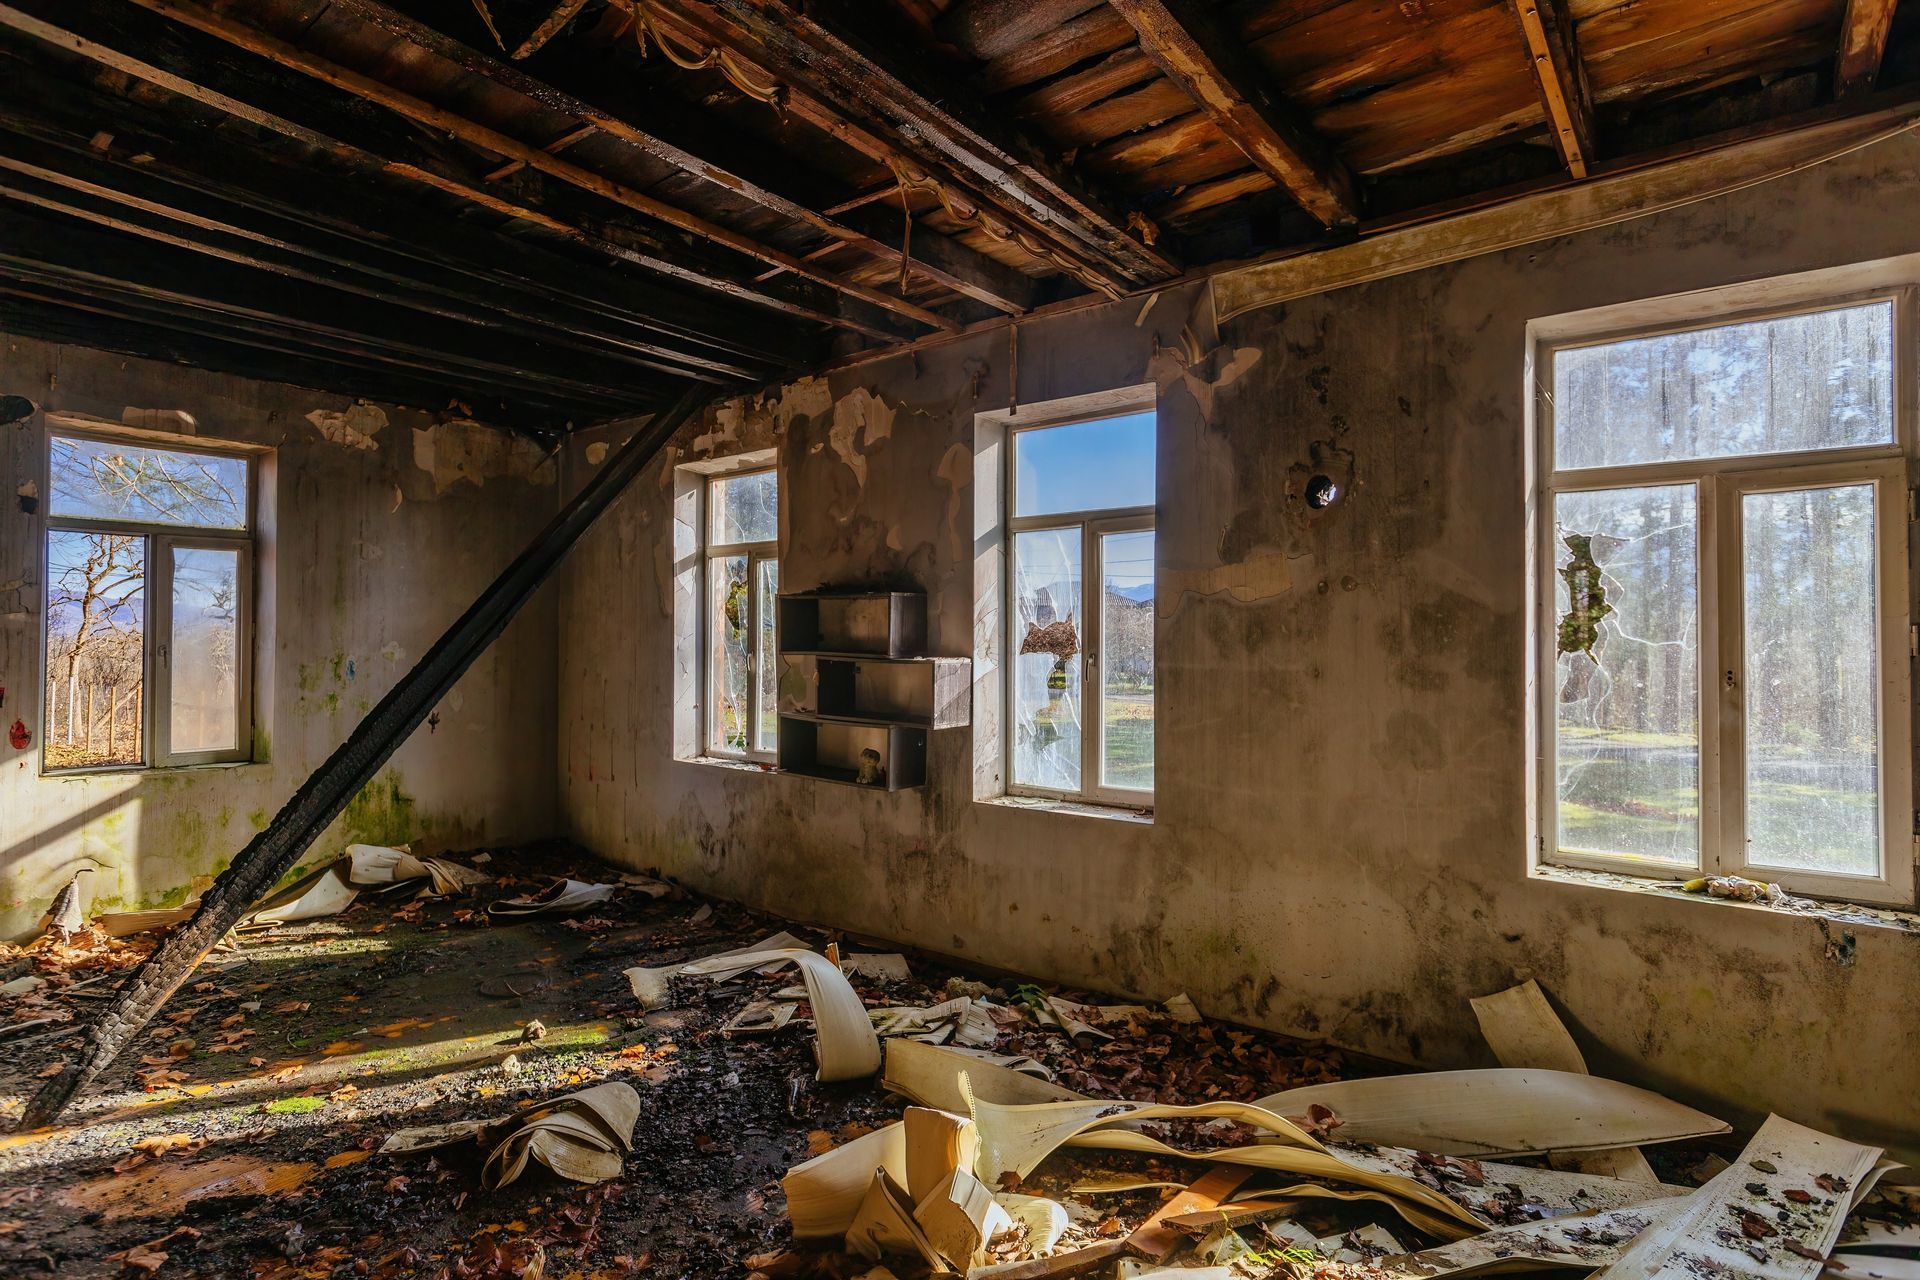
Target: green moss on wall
(381, 813)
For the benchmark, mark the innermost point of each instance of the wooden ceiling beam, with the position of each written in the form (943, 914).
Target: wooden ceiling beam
(985, 29)
(962, 269)
(826, 52)
(1197, 51)
(1863, 43)
(421, 112)
(155, 55)
(1554, 53)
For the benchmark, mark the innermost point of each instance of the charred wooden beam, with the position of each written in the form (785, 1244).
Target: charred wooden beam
(324, 795)
(565, 87)
(194, 176)
(112, 259)
(1863, 43)
(825, 52)
(1547, 28)
(205, 71)
(1187, 40)
(138, 199)
(985, 29)
(432, 116)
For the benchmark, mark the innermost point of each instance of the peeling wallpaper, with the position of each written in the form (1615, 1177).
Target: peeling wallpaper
(1339, 844)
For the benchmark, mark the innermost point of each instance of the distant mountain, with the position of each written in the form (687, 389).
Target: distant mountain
(1139, 595)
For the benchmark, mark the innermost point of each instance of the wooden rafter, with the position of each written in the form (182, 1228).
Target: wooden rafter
(856, 84)
(986, 29)
(960, 268)
(1189, 43)
(1547, 28)
(1863, 42)
(425, 113)
(82, 29)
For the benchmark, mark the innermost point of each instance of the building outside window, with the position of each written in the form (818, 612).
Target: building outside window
(1723, 634)
(149, 587)
(1080, 606)
(742, 528)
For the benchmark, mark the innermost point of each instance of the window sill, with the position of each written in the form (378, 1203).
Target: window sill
(1843, 913)
(1072, 808)
(146, 771)
(729, 762)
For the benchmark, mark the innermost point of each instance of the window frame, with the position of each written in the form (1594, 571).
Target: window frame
(1721, 484)
(156, 696)
(1093, 526)
(757, 553)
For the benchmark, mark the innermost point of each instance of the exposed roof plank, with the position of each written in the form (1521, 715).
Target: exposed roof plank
(826, 49)
(988, 28)
(1863, 42)
(148, 54)
(257, 42)
(961, 270)
(1186, 40)
(1553, 51)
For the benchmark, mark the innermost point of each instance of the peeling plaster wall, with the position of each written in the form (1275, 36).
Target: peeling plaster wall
(1339, 844)
(382, 528)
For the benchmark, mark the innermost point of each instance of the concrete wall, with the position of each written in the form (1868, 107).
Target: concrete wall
(382, 528)
(1339, 847)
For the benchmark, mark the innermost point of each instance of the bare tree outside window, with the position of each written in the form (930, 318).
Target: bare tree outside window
(148, 576)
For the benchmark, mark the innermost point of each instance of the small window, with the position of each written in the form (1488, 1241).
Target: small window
(1725, 635)
(1081, 610)
(742, 587)
(149, 582)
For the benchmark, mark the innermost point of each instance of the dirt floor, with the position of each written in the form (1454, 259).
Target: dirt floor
(237, 1135)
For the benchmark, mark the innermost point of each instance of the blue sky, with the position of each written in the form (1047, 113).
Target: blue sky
(1085, 466)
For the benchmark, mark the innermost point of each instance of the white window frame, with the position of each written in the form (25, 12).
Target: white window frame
(757, 553)
(1720, 486)
(1093, 526)
(156, 729)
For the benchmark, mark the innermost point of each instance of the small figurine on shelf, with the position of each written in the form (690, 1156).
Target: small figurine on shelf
(872, 772)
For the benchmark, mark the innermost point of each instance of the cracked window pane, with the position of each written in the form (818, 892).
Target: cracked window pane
(744, 509)
(1822, 380)
(1126, 660)
(1812, 672)
(1046, 665)
(729, 610)
(1627, 672)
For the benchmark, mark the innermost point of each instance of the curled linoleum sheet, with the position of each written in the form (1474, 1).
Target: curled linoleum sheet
(1093, 1020)
(884, 1224)
(125, 924)
(430, 1137)
(376, 864)
(844, 1044)
(1585, 1241)
(1182, 1009)
(1523, 1031)
(824, 1194)
(932, 1023)
(326, 894)
(583, 1137)
(650, 986)
(930, 1075)
(1015, 1139)
(1478, 1183)
(561, 898)
(1751, 1221)
(1045, 1220)
(959, 1217)
(762, 1017)
(1502, 1111)
(938, 1142)
(648, 885)
(881, 966)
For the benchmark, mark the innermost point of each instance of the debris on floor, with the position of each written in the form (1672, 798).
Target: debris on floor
(635, 1082)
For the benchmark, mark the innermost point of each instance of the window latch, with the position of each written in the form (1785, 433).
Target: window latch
(1732, 680)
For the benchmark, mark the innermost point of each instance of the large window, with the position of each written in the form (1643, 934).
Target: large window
(1081, 610)
(1722, 572)
(149, 575)
(742, 523)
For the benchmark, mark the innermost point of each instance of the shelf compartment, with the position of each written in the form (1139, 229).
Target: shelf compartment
(885, 624)
(830, 749)
(931, 693)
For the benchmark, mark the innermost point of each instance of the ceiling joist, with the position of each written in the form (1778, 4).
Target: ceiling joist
(1547, 28)
(1191, 45)
(1863, 44)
